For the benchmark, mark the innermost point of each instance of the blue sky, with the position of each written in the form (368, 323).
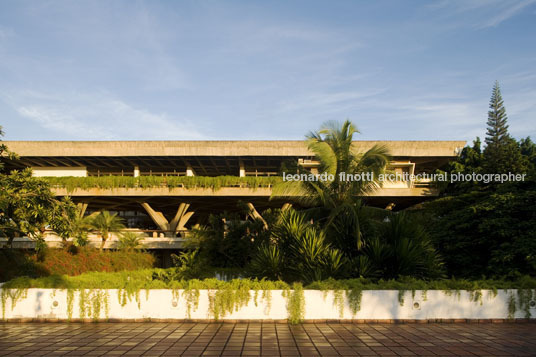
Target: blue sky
(188, 70)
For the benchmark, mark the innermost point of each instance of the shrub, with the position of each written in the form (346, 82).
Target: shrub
(59, 261)
(75, 261)
(129, 241)
(299, 252)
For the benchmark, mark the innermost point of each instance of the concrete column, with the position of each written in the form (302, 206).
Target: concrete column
(253, 213)
(177, 223)
(190, 171)
(136, 171)
(242, 172)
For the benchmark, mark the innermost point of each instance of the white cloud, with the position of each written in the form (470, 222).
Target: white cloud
(99, 117)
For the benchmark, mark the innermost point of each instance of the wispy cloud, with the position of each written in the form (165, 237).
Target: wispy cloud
(99, 117)
(505, 12)
(479, 14)
(326, 101)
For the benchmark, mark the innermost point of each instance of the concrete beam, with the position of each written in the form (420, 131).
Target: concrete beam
(218, 148)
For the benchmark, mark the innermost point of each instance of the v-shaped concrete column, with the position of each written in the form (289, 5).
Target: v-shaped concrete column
(82, 206)
(256, 215)
(177, 223)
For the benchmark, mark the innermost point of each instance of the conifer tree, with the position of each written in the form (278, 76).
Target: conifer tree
(502, 153)
(497, 132)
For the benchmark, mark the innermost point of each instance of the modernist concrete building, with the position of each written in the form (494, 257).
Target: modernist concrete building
(153, 184)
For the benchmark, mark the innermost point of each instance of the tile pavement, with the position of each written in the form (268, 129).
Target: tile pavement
(266, 339)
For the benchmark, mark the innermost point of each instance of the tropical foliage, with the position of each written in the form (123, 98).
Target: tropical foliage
(129, 241)
(227, 240)
(105, 223)
(298, 251)
(487, 229)
(337, 235)
(27, 207)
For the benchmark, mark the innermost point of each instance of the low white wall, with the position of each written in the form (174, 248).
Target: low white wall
(164, 304)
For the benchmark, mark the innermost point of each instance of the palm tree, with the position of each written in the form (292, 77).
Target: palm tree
(339, 198)
(332, 146)
(106, 223)
(130, 241)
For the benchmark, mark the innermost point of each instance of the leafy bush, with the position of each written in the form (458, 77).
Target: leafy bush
(61, 261)
(487, 233)
(227, 240)
(188, 265)
(298, 252)
(268, 262)
(403, 248)
(129, 241)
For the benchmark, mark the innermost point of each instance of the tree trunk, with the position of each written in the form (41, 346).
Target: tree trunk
(103, 242)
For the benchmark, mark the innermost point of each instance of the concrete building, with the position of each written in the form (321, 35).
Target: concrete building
(162, 188)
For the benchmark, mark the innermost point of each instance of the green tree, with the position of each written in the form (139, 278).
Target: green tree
(79, 226)
(332, 146)
(487, 233)
(469, 161)
(339, 198)
(502, 153)
(497, 131)
(106, 223)
(4, 152)
(28, 206)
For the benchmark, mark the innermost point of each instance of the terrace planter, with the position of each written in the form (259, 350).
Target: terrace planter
(312, 305)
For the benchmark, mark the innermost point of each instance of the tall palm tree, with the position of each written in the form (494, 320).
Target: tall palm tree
(106, 223)
(332, 146)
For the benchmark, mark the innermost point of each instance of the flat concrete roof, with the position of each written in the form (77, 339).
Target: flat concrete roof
(217, 148)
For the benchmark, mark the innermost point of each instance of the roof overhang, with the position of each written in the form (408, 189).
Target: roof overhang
(297, 148)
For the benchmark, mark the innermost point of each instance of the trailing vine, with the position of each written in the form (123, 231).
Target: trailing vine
(145, 182)
(227, 297)
(14, 295)
(339, 301)
(354, 300)
(522, 301)
(91, 302)
(295, 303)
(70, 303)
(401, 294)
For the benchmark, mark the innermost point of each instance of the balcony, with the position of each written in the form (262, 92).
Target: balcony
(150, 239)
(202, 186)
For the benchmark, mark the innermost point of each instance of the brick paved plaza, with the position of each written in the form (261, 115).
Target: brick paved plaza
(269, 339)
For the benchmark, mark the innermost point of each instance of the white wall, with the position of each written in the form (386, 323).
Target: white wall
(378, 304)
(59, 171)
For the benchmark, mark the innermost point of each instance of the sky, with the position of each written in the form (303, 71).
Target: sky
(254, 70)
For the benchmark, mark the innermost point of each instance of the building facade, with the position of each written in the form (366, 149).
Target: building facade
(162, 188)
